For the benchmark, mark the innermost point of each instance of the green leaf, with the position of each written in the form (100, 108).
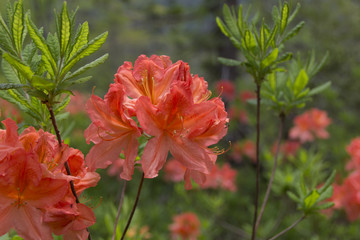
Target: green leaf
(9, 73)
(328, 182)
(240, 22)
(88, 66)
(293, 197)
(262, 36)
(294, 31)
(22, 68)
(319, 89)
(283, 58)
(284, 17)
(6, 86)
(4, 26)
(15, 97)
(230, 22)
(310, 200)
(301, 81)
(86, 50)
(271, 40)
(270, 58)
(81, 39)
(325, 206)
(18, 26)
(292, 16)
(249, 40)
(59, 107)
(235, 42)
(42, 45)
(54, 47)
(222, 27)
(229, 62)
(65, 29)
(76, 81)
(42, 83)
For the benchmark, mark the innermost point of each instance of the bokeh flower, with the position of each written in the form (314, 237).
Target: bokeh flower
(185, 226)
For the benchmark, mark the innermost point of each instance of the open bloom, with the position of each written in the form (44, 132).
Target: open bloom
(173, 111)
(33, 181)
(112, 130)
(310, 124)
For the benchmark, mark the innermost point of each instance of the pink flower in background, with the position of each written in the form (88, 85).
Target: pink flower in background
(354, 151)
(243, 149)
(77, 103)
(185, 226)
(238, 114)
(9, 110)
(226, 88)
(221, 177)
(288, 148)
(246, 95)
(174, 171)
(309, 125)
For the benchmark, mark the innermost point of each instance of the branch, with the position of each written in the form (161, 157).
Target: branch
(287, 229)
(267, 194)
(119, 209)
(134, 208)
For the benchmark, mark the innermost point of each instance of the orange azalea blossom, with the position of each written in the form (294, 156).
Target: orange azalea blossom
(112, 130)
(354, 151)
(173, 111)
(33, 180)
(310, 124)
(185, 226)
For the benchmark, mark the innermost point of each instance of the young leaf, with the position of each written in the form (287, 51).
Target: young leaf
(270, 41)
(293, 32)
(41, 44)
(284, 17)
(65, 29)
(292, 16)
(230, 22)
(59, 107)
(76, 81)
(18, 26)
(86, 50)
(319, 89)
(81, 39)
(300, 82)
(42, 83)
(229, 62)
(88, 66)
(22, 68)
(310, 200)
(222, 27)
(270, 58)
(6, 86)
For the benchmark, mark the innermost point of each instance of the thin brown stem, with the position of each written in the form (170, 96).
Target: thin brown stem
(134, 207)
(67, 168)
(119, 209)
(267, 194)
(256, 201)
(288, 229)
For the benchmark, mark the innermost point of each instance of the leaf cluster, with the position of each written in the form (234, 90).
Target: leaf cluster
(262, 45)
(308, 195)
(284, 91)
(39, 71)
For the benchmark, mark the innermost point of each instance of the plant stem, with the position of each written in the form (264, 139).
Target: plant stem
(256, 201)
(267, 194)
(134, 207)
(287, 229)
(119, 209)
(58, 136)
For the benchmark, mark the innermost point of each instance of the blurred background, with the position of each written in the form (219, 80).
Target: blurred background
(186, 30)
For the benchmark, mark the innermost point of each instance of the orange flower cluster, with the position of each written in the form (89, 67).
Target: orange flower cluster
(164, 102)
(220, 177)
(347, 195)
(35, 197)
(309, 125)
(185, 226)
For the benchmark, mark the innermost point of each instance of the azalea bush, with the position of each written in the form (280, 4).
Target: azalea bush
(160, 155)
